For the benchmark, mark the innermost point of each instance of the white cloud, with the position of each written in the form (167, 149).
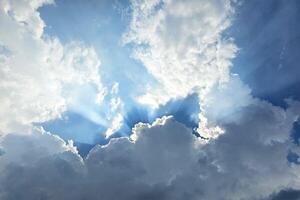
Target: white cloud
(116, 124)
(38, 71)
(180, 44)
(24, 13)
(223, 103)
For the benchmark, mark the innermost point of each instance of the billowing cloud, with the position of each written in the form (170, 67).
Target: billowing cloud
(181, 45)
(163, 160)
(37, 72)
(244, 143)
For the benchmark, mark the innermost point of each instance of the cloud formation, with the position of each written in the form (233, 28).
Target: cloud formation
(163, 160)
(35, 70)
(245, 141)
(180, 44)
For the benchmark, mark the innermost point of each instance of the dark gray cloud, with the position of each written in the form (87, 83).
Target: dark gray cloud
(160, 161)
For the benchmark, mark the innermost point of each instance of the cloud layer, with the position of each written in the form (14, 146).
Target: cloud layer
(163, 160)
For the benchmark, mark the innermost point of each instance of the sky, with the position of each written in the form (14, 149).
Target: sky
(149, 99)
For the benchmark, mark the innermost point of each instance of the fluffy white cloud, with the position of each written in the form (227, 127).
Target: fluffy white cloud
(37, 72)
(223, 103)
(163, 160)
(116, 124)
(24, 13)
(114, 116)
(180, 44)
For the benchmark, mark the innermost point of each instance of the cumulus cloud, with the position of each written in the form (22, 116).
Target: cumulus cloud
(180, 44)
(36, 70)
(163, 160)
(223, 103)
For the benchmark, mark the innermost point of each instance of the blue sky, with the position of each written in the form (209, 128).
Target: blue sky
(266, 62)
(149, 99)
(102, 24)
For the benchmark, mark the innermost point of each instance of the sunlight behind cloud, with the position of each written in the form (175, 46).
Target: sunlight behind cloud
(137, 99)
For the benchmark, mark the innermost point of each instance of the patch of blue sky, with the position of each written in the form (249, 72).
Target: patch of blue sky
(293, 158)
(296, 133)
(101, 24)
(75, 126)
(268, 60)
